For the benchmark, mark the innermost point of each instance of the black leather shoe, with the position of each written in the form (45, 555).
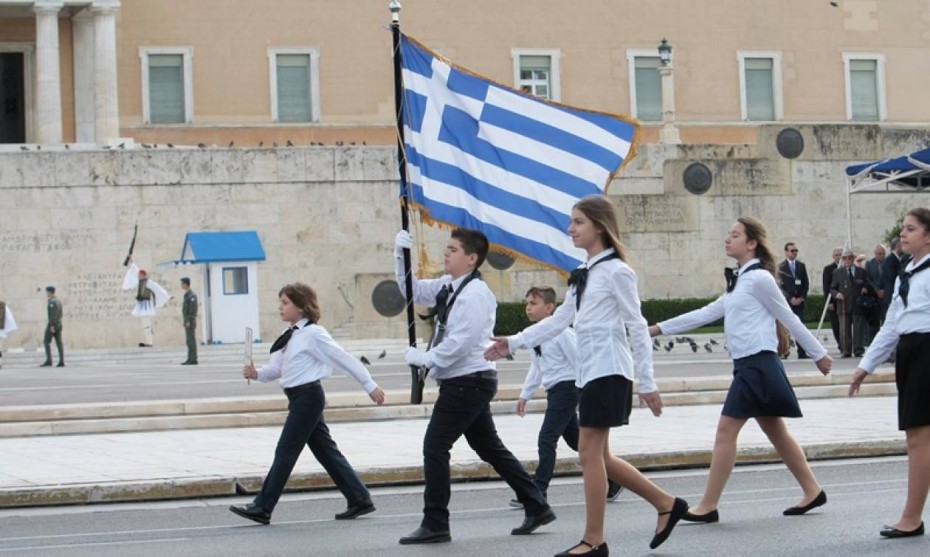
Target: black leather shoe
(46, 364)
(818, 501)
(679, 508)
(596, 550)
(353, 511)
(707, 518)
(613, 491)
(60, 364)
(425, 535)
(252, 512)
(531, 523)
(892, 532)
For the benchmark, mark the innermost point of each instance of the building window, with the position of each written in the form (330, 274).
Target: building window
(167, 85)
(760, 86)
(295, 91)
(865, 87)
(645, 85)
(235, 280)
(537, 72)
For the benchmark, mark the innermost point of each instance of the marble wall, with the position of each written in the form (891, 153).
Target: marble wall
(327, 216)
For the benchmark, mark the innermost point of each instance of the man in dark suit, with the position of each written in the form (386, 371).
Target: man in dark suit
(792, 274)
(848, 282)
(827, 280)
(891, 268)
(873, 268)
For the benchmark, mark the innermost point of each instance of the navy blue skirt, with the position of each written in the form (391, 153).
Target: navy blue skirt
(606, 402)
(760, 388)
(912, 375)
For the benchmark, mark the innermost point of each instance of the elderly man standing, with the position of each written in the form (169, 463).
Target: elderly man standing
(848, 282)
(874, 269)
(827, 280)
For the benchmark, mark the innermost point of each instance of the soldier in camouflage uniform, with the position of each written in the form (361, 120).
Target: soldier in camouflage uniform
(53, 329)
(189, 316)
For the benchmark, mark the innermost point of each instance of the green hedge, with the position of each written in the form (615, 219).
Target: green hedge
(511, 316)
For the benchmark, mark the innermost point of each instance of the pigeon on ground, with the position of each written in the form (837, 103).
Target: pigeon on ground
(365, 361)
(708, 348)
(714, 342)
(382, 354)
(693, 345)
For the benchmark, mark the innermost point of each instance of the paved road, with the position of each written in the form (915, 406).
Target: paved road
(864, 494)
(117, 376)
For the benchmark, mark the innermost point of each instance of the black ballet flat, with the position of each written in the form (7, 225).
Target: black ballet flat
(706, 518)
(892, 532)
(679, 508)
(596, 550)
(818, 501)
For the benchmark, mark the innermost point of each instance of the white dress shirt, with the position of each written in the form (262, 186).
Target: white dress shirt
(559, 362)
(469, 324)
(310, 355)
(901, 320)
(609, 307)
(749, 313)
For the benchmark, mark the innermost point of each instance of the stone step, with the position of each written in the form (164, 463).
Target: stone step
(271, 410)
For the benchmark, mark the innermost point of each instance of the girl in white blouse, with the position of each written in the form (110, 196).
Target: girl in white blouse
(907, 328)
(604, 305)
(760, 388)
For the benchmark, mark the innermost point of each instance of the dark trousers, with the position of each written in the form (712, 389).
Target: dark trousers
(799, 311)
(463, 408)
(49, 335)
(189, 334)
(835, 325)
(305, 426)
(561, 420)
(854, 335)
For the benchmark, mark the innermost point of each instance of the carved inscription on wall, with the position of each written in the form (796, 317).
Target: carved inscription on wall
(38, 242)
(651, 213)
(98, 297)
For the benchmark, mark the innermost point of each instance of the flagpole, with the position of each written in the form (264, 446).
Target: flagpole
(416, 384)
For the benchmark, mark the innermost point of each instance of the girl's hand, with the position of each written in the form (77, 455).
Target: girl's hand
(653, 400)
(825, 364)
(499, 348)
(249, 371)
(654, 330)
(377, 395)
(857, 380)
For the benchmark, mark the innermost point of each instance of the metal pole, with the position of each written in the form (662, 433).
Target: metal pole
(416, 383)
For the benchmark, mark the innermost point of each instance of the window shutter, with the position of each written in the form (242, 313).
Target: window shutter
(648, 88)
(863, 89)
(166, 89)
(293, 75)
(760, 89)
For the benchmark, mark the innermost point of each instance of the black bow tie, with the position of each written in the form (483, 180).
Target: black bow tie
(579, 277)
(282, 340)
(905, 287)
(732, 275)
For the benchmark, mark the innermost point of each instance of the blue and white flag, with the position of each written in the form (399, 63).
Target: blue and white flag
(484, 156)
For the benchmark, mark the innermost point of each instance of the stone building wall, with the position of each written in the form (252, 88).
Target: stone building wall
(327, 216)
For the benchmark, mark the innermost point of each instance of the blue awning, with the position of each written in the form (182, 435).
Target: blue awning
(210, 247)
(909, 171)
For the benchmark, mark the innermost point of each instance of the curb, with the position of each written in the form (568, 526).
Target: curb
(160, 490)
(270, 410)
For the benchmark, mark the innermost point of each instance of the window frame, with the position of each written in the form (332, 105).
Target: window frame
(777, 83)
(245, 270)
(314, 72)
(187, 55)
(879, 59)
(631, 56)
(554, 54)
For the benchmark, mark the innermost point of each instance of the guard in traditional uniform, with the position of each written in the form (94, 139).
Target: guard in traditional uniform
(149, 296)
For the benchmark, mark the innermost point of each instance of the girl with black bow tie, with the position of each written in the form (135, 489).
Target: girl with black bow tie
(603, 305)
(907, 328)
(300, 358)
(760, 388)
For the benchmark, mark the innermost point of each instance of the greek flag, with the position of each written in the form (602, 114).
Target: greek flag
(488, 157)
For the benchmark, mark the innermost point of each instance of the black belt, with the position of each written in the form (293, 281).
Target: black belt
(486, 374)
(298, 388)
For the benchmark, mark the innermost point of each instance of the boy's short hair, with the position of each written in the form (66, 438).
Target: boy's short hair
(473, 242)
(547, 293)
(185, 280)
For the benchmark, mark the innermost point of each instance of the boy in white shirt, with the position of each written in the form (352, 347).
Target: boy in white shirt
(554, 365)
